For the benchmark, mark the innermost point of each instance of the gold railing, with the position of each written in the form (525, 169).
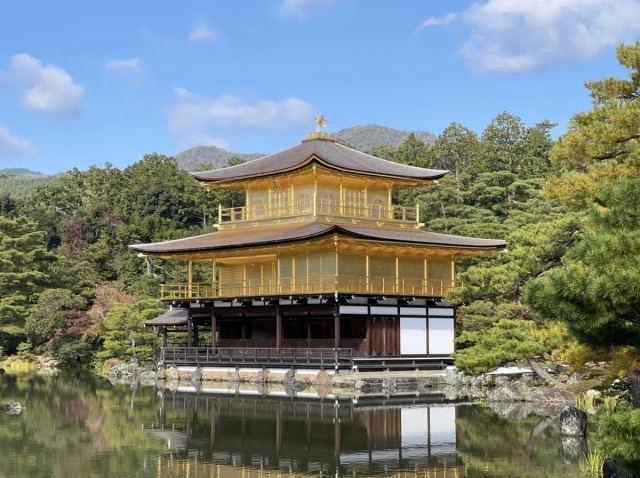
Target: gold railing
(376, 212)
(308, 285)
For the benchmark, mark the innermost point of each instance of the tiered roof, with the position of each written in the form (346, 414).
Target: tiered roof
(325, 152)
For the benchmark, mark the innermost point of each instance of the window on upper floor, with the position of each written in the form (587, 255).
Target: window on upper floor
(328, 204)
(258, 209)
(377, 208)
(304, 204)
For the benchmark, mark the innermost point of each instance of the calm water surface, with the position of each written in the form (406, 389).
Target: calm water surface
(85, 427)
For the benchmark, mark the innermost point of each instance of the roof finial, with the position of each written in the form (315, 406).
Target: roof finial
(321, 122)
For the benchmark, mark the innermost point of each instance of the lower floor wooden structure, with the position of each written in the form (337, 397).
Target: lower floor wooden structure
(322, 332)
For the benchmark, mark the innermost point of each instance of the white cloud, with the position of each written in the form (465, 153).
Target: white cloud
(202, 31)
(300, 8)
(512, 36)
(51, 89)
(132, 64)
(194, 114)
(12, 146)
(435, 21)
(204, 139)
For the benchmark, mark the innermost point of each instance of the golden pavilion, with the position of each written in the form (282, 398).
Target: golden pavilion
(319, 269)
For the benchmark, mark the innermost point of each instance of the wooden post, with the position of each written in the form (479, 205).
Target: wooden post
(189, 331)
(190, 283)
(214, 327)
(278, 328)
(367, 336)
(336, 327)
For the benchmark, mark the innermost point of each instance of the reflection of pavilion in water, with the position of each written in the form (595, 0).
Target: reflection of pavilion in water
(310, 437)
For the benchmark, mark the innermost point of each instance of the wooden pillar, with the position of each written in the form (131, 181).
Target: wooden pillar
(213, 278)
(189, 331)
(244, 329)
(214, 327)
(190, 280)
(278, 328)
(337, 433)
(368, 334)
(308, 328)
(336, 327)
(164, 337)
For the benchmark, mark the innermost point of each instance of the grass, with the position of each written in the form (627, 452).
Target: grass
(586, 403)
(15, 365)
(592, 462)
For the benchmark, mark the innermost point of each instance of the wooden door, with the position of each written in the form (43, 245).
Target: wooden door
(384, 336)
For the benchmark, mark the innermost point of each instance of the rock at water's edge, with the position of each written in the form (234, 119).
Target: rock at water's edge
(573, 422)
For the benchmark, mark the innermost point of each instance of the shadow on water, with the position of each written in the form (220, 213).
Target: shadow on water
(83, 426)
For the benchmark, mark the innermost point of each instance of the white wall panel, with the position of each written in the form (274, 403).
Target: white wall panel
(441, 336)
(354, 309)
(419, 311)
(441, 311)
(413, 336)
(377, 310)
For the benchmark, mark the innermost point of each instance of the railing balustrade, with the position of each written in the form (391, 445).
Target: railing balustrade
(322, 207)
(333, 357)
(346, 284)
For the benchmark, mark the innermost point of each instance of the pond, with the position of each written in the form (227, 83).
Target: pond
(82, 426)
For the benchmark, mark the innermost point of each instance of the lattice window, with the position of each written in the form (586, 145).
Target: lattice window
(304, 204)
(280, 202)
(258, 209)
(377, 209)
(354, 202)
(328, 204)
(438, 270)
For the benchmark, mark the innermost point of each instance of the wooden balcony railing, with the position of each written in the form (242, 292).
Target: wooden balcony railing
(309, 285)
(377, 212)
(323, 357)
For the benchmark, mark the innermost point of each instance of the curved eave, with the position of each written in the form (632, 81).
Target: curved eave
(345, 160)
(231, 181)
(241, 239)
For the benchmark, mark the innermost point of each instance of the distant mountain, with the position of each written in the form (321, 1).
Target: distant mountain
(22, 182)
(365, 138)
(362, 138)
(194, 158)
(26, 173)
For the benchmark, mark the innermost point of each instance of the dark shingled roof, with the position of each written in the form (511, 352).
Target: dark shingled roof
(298, 232)
(170, 317)
(329, 153)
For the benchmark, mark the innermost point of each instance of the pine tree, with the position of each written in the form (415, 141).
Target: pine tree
(24, 273)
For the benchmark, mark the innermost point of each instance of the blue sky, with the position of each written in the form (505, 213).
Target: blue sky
(85, 83)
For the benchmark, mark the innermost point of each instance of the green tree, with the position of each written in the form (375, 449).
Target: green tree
(52, 313)
(24, 274)
(595, 289)
(493, 317)
(125, 335)
(413, 152)
(457, 149)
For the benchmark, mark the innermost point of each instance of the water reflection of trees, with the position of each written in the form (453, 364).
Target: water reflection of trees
(491, 445)
(72, 426)
(83, 426)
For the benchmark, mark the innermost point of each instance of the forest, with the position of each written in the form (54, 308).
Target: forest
(567, 289)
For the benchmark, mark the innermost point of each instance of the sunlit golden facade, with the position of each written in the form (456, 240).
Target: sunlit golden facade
(318, 263)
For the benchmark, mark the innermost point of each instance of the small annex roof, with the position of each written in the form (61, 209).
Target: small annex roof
(324, 151)
(169, 318)
(231, 239)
